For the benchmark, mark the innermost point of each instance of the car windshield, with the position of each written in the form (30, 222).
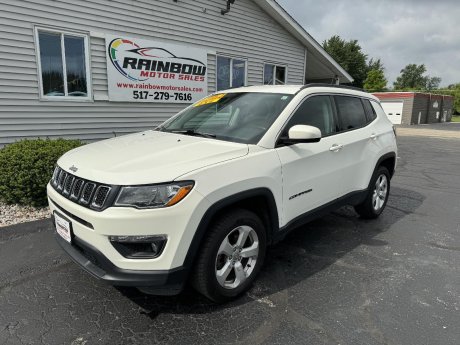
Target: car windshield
(238, 117)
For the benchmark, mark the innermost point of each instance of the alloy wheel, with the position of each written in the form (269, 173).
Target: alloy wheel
(380, 192)
(237, 257)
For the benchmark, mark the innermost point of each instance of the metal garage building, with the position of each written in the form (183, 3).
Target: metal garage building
(89, 69)
(412, 108)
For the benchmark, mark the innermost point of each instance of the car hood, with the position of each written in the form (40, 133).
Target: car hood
(147, 157)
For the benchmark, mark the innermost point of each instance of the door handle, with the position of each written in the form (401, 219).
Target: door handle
(336, 148)
(374, 136)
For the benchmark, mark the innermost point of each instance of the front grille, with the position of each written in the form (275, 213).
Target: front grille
(86, 193)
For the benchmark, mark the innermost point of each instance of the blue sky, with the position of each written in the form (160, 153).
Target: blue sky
(398, 32)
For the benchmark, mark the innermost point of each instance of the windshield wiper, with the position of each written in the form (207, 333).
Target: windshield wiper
(192, 132)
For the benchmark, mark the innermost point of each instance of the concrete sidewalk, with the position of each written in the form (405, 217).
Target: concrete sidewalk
(440, 130)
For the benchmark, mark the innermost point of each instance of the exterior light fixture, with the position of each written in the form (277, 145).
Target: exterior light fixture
(229, 3)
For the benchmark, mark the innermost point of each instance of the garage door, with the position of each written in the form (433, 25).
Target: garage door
(393, 111)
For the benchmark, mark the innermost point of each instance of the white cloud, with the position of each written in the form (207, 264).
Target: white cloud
(398, 32)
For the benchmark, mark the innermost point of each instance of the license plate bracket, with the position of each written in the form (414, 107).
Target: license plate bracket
(63, 226)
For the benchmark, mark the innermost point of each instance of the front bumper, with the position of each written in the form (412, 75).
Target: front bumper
(160, 282)
(178, 223)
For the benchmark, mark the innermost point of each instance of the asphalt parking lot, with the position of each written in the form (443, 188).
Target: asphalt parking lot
(339, 280)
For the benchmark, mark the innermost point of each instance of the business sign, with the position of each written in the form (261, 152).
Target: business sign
(148, 71)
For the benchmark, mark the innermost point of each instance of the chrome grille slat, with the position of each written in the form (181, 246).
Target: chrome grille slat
(58, 176)
(102, 192)
(68, 184)
(87, 193)
(55, 175)
(62, 177)
(83, 192)
(76, 190)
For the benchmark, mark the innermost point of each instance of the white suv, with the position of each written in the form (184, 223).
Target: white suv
(200, 197)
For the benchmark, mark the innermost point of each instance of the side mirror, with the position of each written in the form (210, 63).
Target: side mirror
(302, 134)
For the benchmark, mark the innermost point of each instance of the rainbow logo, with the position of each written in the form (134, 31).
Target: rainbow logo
(113, 52)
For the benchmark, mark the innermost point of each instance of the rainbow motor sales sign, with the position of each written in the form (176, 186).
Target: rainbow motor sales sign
(141, 70)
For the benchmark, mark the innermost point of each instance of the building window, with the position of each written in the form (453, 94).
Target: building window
(63, 65)
(274, 74)
(230, 72)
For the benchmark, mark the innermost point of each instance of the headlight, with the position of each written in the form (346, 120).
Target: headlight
(153, 196)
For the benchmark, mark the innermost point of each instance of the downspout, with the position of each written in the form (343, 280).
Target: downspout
(305, 67)
(428, 110)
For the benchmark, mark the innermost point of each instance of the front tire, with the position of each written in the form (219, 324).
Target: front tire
(231, 256)
(377, 196)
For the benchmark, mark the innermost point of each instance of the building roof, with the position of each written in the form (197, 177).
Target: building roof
(316, 52)
(407, 94)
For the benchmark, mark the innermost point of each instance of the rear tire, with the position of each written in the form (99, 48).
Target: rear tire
(231, 256)
(377, 196)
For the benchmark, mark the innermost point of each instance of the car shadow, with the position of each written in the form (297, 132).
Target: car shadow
(304, 252)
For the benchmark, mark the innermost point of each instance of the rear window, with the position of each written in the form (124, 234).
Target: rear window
(351, 112)
(370, 111)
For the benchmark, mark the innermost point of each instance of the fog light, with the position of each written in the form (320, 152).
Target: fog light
(139, 247)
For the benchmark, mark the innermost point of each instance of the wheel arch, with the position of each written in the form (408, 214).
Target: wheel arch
(388, 160)
(259, 200)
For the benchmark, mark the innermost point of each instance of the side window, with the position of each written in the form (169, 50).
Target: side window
(315, 111)
(351, 112)
(370, 111)
(378, 109)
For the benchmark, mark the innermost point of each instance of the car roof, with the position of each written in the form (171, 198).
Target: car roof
(294, 89)
(289, 89)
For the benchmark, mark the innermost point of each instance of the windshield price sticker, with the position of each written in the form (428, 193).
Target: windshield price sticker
(209, 100)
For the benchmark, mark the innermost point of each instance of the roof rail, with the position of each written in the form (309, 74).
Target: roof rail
(306, 86)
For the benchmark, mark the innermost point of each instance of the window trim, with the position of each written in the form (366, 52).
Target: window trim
(334, 110)
(62, 33)
(275, 65)
(342, 130)
(231, 68)
(337, 116)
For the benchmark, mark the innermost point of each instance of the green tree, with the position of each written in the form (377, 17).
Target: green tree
(451, 90)
(350, 56)
(456, 93)
(375, 65)
(375, 81)
(413, 77)
(432, 83)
